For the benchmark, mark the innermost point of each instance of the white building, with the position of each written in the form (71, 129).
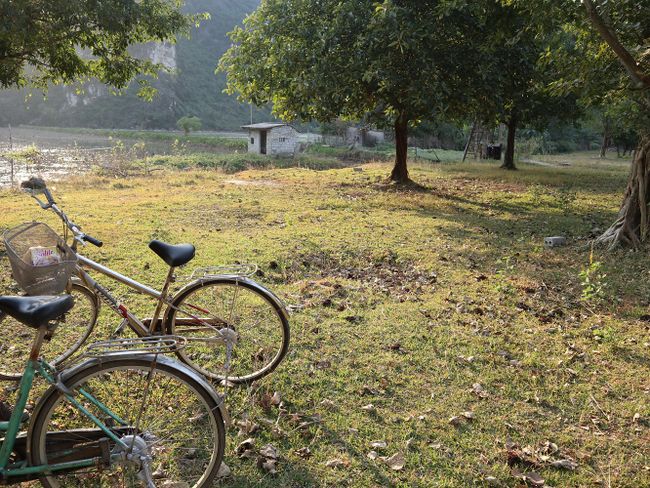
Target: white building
(271, 138)
(364, 137)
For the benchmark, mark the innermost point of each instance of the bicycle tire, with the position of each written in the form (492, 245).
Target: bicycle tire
(16, 352)
(191, 458)
(257, 352)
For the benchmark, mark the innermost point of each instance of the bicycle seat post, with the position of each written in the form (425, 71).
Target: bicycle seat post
(153, 326)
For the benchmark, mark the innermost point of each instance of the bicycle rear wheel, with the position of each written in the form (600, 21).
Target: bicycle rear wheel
(72, 330)
(254, 313)
(168, 414)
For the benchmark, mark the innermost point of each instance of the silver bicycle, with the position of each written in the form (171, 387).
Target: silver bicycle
(231, 323)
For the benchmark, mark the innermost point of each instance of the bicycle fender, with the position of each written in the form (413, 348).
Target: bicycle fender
(67, 374)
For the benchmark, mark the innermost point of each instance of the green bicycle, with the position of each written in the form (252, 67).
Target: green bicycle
(125, 416)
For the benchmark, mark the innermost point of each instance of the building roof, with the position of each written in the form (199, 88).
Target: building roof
(262, 126)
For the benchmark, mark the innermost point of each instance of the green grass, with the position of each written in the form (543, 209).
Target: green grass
(26, 154)
(384, 151)
(405, 300)
(233, 163)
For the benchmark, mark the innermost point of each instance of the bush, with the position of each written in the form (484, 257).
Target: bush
(187, 124)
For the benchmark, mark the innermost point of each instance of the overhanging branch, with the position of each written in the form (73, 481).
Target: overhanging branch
(640, 79)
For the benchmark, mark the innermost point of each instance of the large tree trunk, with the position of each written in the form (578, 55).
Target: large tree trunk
(400, 172)
(633, 223)
(509, 158)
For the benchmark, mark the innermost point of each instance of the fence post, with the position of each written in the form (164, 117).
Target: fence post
(11, 160)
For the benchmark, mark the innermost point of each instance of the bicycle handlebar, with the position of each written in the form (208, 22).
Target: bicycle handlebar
(92, 240)
(36, 186)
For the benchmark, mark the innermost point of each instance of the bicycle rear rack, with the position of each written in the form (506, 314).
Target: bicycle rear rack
(136, 346)
(243, 270)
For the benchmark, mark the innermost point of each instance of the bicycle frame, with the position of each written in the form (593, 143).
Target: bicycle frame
(138, 326)
(21, 469)
(162, 298)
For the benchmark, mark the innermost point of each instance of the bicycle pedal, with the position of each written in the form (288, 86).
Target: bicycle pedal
(6, 412)
(105, 450)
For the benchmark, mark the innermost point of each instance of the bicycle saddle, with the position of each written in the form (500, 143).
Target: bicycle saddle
(177, 255)
(36, 311)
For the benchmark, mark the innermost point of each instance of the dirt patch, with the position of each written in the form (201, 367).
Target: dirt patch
(546, 163)
(265, 183)
(385, 274)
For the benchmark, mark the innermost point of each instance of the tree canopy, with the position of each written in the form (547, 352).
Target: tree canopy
(512, 86)
(189, 123)
(61, 41)
(390, 63)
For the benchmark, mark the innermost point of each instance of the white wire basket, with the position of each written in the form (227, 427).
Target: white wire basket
(49, 279)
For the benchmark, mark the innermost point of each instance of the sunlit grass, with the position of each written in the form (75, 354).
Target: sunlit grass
(406, 300)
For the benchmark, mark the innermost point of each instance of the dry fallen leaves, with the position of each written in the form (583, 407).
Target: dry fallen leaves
(337, 463)
(268, 465)
(224, 471)
(268, 458)
(303, 452)
(175, 484)
(469, 415)
(564, 464)
(479, 391)
(532, 477)
(269, 451)
(546, 455)
(396, 462)
(328, 404)
(246, 427)
(245, 448)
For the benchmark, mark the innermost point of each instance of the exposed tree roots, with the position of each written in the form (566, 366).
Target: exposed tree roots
(633, 223)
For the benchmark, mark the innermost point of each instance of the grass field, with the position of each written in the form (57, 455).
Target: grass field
(432, 323)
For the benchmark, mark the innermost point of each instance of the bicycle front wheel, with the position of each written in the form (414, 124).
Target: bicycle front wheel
(255, 314)
(169, 419)
(72, 330)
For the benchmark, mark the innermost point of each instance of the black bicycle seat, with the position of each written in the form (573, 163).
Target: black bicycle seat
(177, 255)
(36, 311)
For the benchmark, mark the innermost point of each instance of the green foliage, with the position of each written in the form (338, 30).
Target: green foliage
(357, 59)
(388, 63)
(67, 40)
(233, 163)
(189, 123)
(513, 86)
(583, 59)
(592, 279)
(191, 87)
(506, 267)
(26, 154)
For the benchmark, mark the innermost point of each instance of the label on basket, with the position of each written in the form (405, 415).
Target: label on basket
(44, 256)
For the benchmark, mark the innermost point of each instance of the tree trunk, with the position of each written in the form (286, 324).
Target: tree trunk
(606, 141)
(400, 172)
(509, 158)
(633, 223)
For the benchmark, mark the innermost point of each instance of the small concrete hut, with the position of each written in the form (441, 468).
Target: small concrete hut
(271, 138)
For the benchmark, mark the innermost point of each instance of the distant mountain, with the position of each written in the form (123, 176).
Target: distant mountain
(193, 89)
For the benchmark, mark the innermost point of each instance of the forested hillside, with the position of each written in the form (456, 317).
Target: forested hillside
(193, 89)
